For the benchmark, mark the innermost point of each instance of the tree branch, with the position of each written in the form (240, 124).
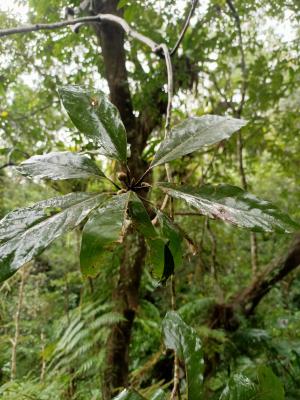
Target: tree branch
(184, 29)
(242, 52)
(84, 20)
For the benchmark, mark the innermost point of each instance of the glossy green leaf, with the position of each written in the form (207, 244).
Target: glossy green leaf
(127, 394)
(183, 339)
(26, 232)
(160, 257)
(239, 387)
(140, 217)
(194, 133)
(94, 115)
(170, 232)
(268, 387)
(101, 233)
(234, 205)
(60, 165)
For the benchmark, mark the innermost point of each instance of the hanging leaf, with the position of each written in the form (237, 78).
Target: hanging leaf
(194, 133)
(127, 394)
(239, 387)
(162, 242)
(95, 116)
(101, 234)
(234, 205)
(26, 232)
(140, 217)
(59, 166)
(183, 339)
(170, 232)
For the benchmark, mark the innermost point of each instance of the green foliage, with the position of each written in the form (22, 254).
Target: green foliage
(95, 116)
(268, 387)
(232, 204)
(193, 134)
(26, 232)
(105, 227)
(60, 165)
(208, 81)
(183, 339)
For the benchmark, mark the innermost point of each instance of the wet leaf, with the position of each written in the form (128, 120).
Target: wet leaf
(94, 115)
(59, 166)
(26, 232)
(239, 387)
(195, 133)
(101, 234)
(234, 205)
(183, 339)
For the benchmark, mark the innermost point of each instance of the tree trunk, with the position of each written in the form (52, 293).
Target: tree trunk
(126, 293)
(126, 298)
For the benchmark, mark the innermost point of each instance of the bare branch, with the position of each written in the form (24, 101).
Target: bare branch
(185, 26)
(9, 164)
(53, 26)
(84, 20)
(242, 52)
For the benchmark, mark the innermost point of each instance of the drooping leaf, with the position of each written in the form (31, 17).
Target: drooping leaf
(183, 339)
(269, 386)
(59, 166)
(161, 258)
(234, 205)
(194, 133)
(140, 217)
(170, 232)
(26, 232)
(94, 115)
(101, 233)
(239, 387)
(127, 394)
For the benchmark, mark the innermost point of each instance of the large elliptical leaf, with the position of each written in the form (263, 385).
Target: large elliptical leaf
(183, 339)
(98, 118)
(194, 133)
(59, 166)
(101, 233)
(26, 232)
(234, 205)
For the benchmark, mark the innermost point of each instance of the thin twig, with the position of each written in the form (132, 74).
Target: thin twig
(184, 29)
(176, 376)
(84, 20)
(242, 52)
(9, 164)
(238, 113)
